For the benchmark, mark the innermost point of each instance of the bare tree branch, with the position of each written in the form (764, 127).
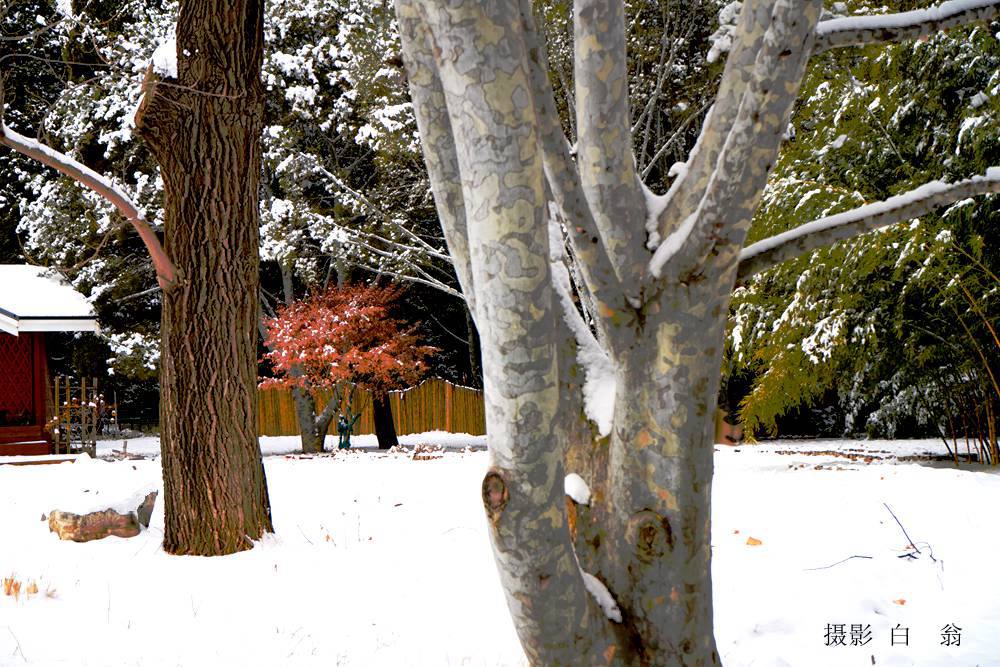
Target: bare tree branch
(166, 274)
(406, 277)
(661, 151)
(857, 30)
(826, 231)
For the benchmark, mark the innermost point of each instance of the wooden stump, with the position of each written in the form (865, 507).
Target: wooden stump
(145, 510)
(98, 525)
(93, 526)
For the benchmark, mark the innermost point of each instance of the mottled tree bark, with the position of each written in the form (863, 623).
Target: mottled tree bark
(204, 130)
(656, 275)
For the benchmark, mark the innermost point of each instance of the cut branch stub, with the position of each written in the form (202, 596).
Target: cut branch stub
(650, 534)
(495, 495)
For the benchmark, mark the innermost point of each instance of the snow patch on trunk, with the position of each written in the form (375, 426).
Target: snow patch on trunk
(671, 245)
(603, 596)
(599, 372)
(577, 489)
(165, 59)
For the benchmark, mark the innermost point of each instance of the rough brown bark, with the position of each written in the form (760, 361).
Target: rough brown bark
(204, 130)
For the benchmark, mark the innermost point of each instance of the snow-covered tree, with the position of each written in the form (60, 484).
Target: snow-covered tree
(631, 582)
(343, 185)
(876, 320)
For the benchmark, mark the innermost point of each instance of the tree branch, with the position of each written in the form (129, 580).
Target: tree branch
(826, 231)
(605, 156)
(166, 274)
(719, 223)
(429, 281)
(563, 177)
(437, 141)
(857, 30)
(687, 190)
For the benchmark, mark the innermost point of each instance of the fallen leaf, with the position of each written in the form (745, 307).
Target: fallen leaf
(753, 542)
(900, 601)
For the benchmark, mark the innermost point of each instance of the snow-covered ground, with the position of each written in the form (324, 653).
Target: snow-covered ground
(379, 559)
(290, 444)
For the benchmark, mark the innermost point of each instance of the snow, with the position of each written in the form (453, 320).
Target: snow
(577, 489)
(165, 59)
(65, 7)
(901, 19)
(603, 597)
(34, 292)
(967, 124)
(677, 169)
(978, 100)
(722, 39)
(599, 373)
(277, 445)
(378, 560)
(926, 191)
(671, 245)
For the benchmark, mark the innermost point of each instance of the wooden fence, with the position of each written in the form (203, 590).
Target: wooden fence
(433, 405)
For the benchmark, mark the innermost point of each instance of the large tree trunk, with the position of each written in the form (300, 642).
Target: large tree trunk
(205, 133)
(657, 527)
(499, 166)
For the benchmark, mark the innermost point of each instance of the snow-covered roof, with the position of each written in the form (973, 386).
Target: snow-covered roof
(35, 299)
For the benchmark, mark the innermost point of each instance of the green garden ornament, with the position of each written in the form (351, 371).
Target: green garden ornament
(344, 430)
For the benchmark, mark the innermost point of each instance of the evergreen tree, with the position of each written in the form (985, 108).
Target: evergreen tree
(878, 321)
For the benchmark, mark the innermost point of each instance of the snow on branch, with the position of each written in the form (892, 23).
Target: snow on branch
(166, 274)
(826, 231)
(855, 30)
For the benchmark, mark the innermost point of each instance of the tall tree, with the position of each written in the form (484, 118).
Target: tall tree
(202, 114)
(628, 579)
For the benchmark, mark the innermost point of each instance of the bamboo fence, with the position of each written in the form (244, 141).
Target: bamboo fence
(433, 405)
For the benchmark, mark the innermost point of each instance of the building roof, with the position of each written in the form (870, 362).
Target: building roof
(33, 298)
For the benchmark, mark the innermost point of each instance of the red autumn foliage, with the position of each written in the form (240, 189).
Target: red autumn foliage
(345, 335)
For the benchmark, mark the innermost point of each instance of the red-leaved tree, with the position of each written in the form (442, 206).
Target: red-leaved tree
(344, 339)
